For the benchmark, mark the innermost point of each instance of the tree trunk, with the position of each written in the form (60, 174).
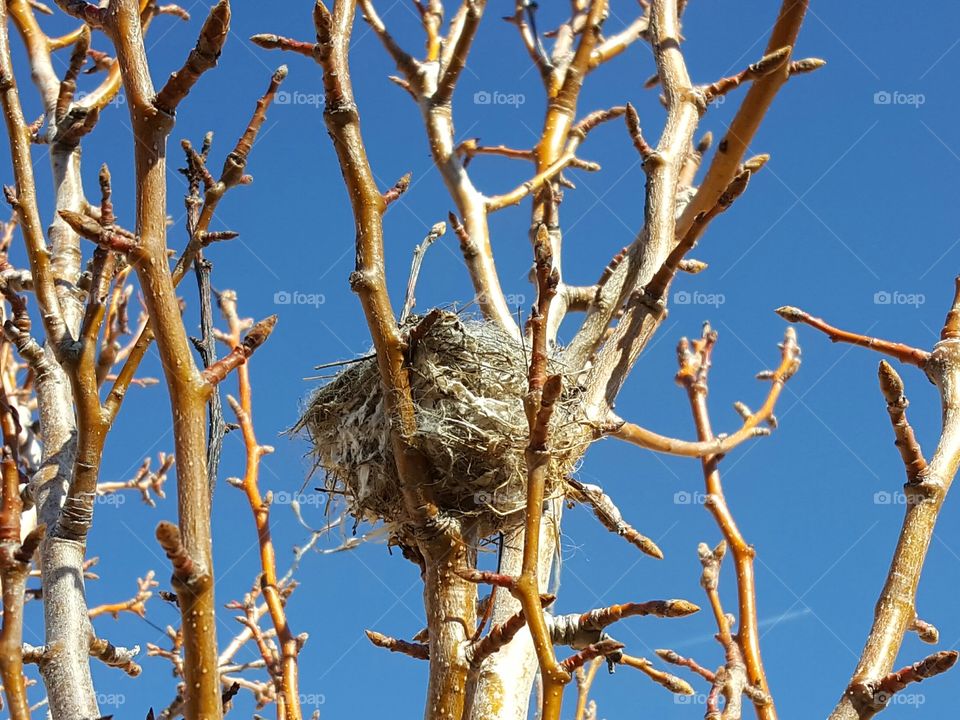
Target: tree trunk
(500, 688)
(451, 606)
(66, 670)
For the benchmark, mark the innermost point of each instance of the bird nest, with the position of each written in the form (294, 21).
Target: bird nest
(468, 379)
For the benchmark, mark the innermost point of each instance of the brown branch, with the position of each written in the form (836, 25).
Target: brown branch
(286, 678)
(636, 134)
(237, 357)
(269, 41)
(613, 353)
(903, 353)
(543, 392)
(450, 601)
(872, 697)
(616, 44)
(146, 481)
(485, 611)
(752, 424)
(929, 667)
(26, 196)
(500, 634)
(747, 120)
(531, 186)
(488, 577)
(621, 348)
(602, 617)
(231, 176)
(927, 632)
(343, 124)
(185, 568)
(404, 61)
(55, 276)
(398, 189)
(438, 119)
(693, 375)
(675, 658)
(460, 49)
(892, 388)
(152, 123)
(522, 17)
(580, 630)
(656, 289)
(116, 325)
(571, 73)
(730, 680)
(767, 65)
(584, 683)
(135, 605)
(203, 57)
(694, 158)
(610, 517)
(602, 648)
(671, 682)
(418, 651)
(68, 85)
(895, 611)
(650, 440)
(117, 657)
(107, 237)
(14, 563)
(559, 136)
(410, 300)
(431, 16)
(470, 148)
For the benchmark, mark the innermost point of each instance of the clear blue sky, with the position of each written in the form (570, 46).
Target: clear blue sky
(858, 200)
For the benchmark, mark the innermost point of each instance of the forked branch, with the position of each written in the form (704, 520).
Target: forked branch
(744, 664)
(755, 423)
(926, 489)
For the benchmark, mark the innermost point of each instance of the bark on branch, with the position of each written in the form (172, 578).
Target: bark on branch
(895, 612)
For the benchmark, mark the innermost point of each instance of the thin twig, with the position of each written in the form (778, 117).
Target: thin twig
(903, 353)
(436, 232)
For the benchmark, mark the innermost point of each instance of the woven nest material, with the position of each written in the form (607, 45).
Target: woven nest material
(468, 380)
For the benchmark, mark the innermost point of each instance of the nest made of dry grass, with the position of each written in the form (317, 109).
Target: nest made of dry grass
(468, 379)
